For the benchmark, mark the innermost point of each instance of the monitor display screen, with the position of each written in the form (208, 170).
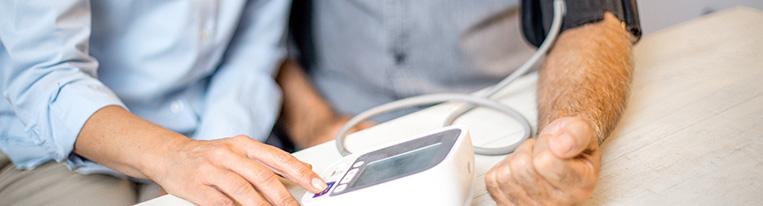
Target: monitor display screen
(400, 164)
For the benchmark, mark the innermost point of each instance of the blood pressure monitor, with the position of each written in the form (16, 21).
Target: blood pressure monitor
(432, 169)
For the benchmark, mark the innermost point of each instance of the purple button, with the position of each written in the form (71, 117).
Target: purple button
(328, 187)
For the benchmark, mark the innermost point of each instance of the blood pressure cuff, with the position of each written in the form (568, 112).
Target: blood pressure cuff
(537, 16)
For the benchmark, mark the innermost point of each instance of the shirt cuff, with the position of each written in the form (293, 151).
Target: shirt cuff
(69, 111)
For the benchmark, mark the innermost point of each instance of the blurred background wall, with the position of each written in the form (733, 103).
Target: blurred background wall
(658, 14)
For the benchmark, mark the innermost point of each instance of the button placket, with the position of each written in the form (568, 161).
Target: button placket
(209, 18)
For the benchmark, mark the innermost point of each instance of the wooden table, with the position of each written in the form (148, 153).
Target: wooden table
(692, 133)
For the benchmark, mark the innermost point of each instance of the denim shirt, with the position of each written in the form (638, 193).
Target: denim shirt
(200, 68)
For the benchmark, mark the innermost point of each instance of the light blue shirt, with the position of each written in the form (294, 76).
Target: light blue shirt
(201, 68)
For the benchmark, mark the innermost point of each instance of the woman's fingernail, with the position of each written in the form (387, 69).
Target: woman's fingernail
(319, 184)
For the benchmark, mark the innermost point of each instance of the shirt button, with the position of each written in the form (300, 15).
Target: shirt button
(204, 36)
(206, 31)
(399, 58)
(177, 106)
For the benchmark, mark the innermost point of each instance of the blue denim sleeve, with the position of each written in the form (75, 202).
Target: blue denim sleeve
(50, 85)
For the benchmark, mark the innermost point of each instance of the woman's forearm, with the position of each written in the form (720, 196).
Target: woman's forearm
(116, 138)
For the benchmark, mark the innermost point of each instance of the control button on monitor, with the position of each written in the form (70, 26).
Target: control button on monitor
(348, 177)
(358, 164)
(340, 188)
(346, 180)
(352, 172)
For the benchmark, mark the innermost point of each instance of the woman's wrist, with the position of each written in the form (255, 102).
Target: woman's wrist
(154, 161)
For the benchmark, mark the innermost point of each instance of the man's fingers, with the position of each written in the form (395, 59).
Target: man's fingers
(236, 187)
(567, 137)
(494, 189)
(284, 163)
(565, 155)
(564, 173)
(507, 173)
(263, 179)
(524, 173)
(561, 166)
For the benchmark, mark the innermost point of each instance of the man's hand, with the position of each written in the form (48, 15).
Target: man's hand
(232, 170)
(560, 167)
(582, 90)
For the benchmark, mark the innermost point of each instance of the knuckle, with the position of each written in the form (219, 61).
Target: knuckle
(504, 179)
(493, 190)
(303, 169)
(219, 153)
(517, 164)
(523, 169)
(286, 158)
(239, 139)
(502, 175)
(265, 176)
(489, 183)
(285, 200)
(544, 160)
(493, 181)
(270, 178)
(241, 188)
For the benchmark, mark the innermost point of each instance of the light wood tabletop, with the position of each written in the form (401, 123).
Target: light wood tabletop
(692, 133)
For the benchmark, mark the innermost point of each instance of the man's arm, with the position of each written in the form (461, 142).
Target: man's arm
(307, 117)
(582, 92)
(588, 75)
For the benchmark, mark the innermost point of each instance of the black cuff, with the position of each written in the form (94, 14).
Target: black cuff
(537, 16)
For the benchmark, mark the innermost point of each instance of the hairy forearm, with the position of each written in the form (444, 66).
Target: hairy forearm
(587, 74)
(114, 137)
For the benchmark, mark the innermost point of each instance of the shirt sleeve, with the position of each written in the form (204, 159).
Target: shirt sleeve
(50, 85)
(242, 96)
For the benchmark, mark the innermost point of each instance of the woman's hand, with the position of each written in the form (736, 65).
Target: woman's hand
(235, 170)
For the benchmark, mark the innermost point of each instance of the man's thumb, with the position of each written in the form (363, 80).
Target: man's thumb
(567, 137)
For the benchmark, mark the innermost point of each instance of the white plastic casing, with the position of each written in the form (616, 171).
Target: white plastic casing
(447, 183)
